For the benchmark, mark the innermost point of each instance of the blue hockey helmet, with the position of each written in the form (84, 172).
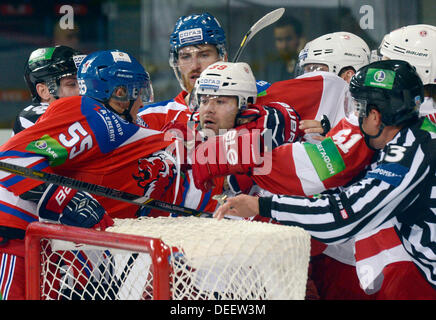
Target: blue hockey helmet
(196, 29)
(102, 72)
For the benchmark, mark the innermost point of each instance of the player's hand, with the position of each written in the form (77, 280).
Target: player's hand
(231, 153)
(70, 207)
(311, 126)
(242, 206)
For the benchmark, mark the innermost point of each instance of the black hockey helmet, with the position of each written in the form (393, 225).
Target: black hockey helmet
(392, 87)
(49, 65)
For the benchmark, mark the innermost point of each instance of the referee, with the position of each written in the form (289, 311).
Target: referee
(397, 193)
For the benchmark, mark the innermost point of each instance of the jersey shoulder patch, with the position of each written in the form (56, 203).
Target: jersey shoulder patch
(109, 129)
(392, 173)
(429, 126)
(325, 158)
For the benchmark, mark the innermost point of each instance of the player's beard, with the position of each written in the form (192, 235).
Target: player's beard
(190, 78)
(187, 85)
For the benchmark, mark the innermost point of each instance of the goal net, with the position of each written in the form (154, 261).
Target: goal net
(186, 258)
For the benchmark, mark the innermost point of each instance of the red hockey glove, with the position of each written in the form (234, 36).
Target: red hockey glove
(70, 207)
(240, 183)
(281, 120)
(231, 153)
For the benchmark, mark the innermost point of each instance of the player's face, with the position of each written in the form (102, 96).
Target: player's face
(217, 112)
(286, 41)
(371, 126)
(68, 87)
(121, 106)
(192, 60)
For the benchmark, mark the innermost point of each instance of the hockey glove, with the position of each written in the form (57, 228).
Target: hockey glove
(71, 207)
(231, 153)
(281, 120)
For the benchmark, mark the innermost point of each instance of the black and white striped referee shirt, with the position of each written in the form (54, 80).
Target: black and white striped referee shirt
(400, 186)
(28, 116)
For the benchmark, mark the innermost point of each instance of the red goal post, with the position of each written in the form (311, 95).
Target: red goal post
(184, 258)
(38, 231)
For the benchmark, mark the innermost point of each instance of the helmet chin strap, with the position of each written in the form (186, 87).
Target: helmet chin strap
(368, 136)
(126, 113)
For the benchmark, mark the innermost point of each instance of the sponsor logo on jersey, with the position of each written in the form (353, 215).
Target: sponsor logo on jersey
(49, 148)
(392, 173)
(262, 86)
(429, 126)
(325, 158)
(191, 35)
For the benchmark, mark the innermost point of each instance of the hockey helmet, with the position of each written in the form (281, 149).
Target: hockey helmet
(194, 30)
(391, 86)
(226, 79)
(49, 65)
(415, 44)
(335, 51)
(101, 72)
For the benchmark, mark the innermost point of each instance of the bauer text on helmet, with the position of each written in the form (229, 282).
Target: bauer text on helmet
(415, 44)
(334, 52)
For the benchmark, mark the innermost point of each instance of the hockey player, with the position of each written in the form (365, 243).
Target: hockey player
(302, 169)
(233, 106)
(89, 137)
(394, 196)
(197, 41)
(326, 64)
(416, 44)
(50, 74)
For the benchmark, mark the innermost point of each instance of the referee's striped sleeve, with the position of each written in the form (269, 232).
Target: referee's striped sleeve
(335, 218)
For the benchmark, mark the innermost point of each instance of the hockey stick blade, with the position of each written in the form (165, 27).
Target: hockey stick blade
(263, 22)
(99, 190)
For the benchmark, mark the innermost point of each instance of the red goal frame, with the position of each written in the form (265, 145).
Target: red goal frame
(37, 231)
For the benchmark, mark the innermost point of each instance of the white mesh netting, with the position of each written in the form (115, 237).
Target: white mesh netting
(209, 259)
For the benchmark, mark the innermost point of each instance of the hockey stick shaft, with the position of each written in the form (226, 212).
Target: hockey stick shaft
(263, 22)
(99, 190)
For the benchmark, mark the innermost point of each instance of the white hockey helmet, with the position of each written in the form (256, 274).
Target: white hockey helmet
(226, 79)
(335, 50)
(415, 44)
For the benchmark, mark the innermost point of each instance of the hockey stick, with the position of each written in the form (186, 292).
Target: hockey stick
(263, 22)
(99, 190)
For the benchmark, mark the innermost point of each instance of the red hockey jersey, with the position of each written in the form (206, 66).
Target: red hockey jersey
(80, 138)
(307, 169)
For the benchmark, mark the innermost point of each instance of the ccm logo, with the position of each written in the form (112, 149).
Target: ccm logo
(229, 142)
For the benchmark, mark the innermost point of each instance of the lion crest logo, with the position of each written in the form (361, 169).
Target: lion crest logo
(156, 174)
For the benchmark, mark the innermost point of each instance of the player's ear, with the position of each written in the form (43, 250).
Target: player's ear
(43, 92)
(347, 75)
(375, 116)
